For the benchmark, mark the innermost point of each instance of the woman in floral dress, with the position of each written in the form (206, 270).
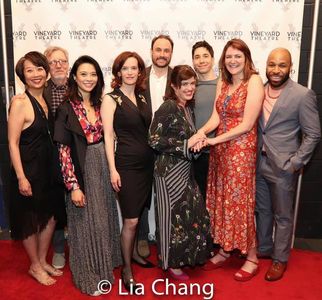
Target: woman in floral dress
(183, 221)
(232, 164)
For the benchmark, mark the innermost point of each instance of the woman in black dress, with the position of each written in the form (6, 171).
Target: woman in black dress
(126, 118)
(33, 192)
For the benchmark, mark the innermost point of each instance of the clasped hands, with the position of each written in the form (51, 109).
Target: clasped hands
(198, 141)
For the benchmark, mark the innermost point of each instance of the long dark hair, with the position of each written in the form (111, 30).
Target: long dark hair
(180, 73)
(249, 69)
(95, 95)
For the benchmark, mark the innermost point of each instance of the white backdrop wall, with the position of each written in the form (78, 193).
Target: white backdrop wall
(104, 28)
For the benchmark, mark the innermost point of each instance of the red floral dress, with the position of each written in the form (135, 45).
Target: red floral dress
(231, 177)
(93, 133)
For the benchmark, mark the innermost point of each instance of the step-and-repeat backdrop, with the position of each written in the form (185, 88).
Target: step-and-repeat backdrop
(104, 28)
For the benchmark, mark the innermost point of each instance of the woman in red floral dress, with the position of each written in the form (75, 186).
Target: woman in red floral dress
(231, 176)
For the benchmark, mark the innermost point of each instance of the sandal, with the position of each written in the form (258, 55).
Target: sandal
(42, 277)
(209, 265)
(242, 275)
(52, 271)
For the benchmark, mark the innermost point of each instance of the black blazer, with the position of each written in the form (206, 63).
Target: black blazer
(147, 93)
(69, 132)
(48, 92)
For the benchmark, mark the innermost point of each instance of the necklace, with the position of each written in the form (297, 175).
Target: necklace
(88, 109)
(272, 96)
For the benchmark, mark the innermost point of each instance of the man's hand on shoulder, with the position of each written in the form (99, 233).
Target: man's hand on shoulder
(18, 97)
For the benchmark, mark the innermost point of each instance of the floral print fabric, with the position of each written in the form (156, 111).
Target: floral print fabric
(231, 177)
(182, 219)
(93, 133)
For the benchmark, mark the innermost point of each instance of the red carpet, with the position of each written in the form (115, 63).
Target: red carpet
(302, 280)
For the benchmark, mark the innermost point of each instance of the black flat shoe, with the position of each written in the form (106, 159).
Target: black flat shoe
(147, 265)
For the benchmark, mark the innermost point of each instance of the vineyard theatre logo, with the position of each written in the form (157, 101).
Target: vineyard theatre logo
(286, 4)
(28, 1)
(226, 35)
(191, 35)
(248, 1)
(82, 34)
(286, 1)
(247, 4)
(294, 36)
(107, 70)
(118, 34)
(147, 33)
(64, 1)
(19, 35)
(46, 35)
(262, 35)
(99, 3)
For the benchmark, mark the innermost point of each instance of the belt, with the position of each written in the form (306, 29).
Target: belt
(263, 153)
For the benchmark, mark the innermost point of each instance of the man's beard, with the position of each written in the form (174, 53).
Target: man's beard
(280, 83)
(155, 62)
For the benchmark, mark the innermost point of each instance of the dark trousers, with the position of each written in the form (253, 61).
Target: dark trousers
(59, 233)
(200, 166)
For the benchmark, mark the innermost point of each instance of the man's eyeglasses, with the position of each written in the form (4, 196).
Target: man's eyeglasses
(60, 61)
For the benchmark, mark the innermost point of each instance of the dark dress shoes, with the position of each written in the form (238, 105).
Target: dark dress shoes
(129, 284)
(147, 265)
(276, 271)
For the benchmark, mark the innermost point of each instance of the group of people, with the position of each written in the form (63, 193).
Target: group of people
(215, 152)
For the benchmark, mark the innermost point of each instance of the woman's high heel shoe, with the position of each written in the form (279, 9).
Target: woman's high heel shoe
(129, 283)
(147, 264)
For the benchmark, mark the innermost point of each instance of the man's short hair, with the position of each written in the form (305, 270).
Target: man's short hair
(50, 50)
(202, 44)
(162, 36)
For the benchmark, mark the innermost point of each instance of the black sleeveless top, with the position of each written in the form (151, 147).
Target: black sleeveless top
(29, 215)
(36, 143)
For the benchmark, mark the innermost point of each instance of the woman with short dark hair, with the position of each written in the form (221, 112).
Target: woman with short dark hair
(183, 222)
(92, 218)
(32, 190)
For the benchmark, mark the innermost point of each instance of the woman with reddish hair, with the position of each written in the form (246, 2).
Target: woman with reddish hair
(231, 176)
(126, 119)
